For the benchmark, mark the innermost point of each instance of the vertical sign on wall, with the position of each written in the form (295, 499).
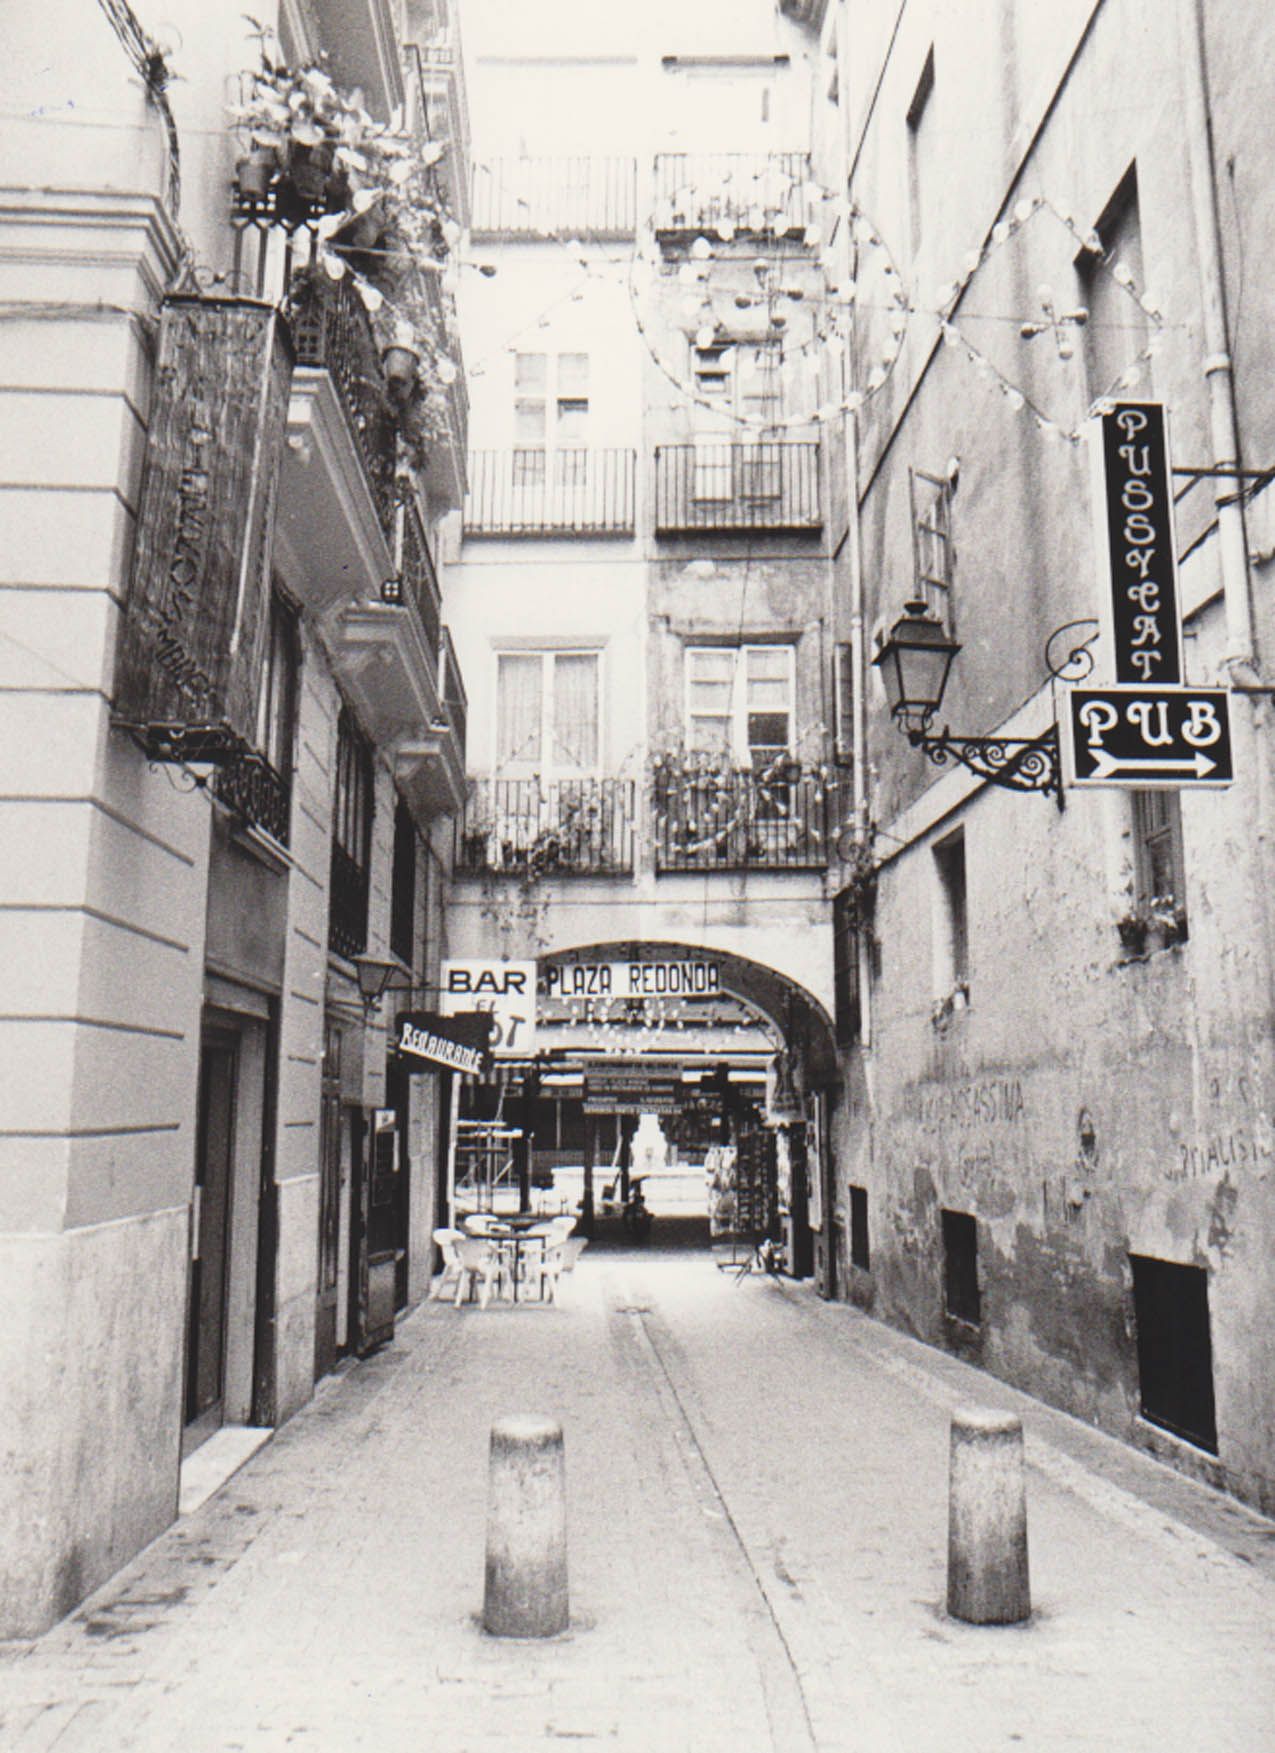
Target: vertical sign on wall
(1133, 502)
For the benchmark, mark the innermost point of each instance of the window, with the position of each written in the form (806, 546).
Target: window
(1116, 331)
(843, 704)
(403, 886)
(918, 142)
(859, 1253)
(551, 412)
(277, 705)
(960, 1267)
(547, 712)
(933, 552)
(847, 927)
(739, 702)
(351, 839)
(1159, 876)
(951, 957)
(1175, 1354)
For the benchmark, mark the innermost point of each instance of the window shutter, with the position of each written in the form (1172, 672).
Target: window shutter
(843, 704)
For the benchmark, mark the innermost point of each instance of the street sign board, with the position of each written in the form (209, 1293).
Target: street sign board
(1150, 738)
(655, 979)
(507, 990)
(1133, 502)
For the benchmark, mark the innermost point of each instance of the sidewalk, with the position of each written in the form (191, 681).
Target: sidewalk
(757, 1514)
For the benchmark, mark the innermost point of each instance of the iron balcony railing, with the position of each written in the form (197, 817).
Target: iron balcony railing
(583, 197)
(249, 785)
(455, 701)
(332, 331)
(415, 583)
(348, 897)
(537, 492)
(772, 484)
(777, 820)
(758, 193)
(567, 827)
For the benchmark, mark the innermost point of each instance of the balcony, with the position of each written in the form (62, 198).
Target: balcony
(581, 197)
(430, 766)
(776, 821)
(534, 492)
(568, 827)
(769, 485)
(435, 70)
(415, 583)
(260, 797)
(749, 194)
(332, 333)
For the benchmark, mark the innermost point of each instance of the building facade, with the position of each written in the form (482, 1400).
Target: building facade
(234, 726)
(1053, 1148)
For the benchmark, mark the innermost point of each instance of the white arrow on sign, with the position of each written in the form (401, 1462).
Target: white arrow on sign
(1106, 765)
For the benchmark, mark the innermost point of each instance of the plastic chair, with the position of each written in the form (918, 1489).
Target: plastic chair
(446, 1241)
(479, 1265)
(559, 1260)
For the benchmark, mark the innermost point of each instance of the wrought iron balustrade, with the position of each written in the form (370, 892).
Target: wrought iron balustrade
(250, 786)
(416, 582)
(753, 193)
(347, 902)
(770, 484)
(779, 820)
(331, 331)
(533, 491)
(567, 827)
(583, 196)
(454, 698)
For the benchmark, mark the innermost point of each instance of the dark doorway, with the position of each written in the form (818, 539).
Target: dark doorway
(325, 1347)
(960, 1267)
(1175, 1353)
(395, 1229)
(210, 1238)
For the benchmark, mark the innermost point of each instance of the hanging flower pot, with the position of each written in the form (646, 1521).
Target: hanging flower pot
(400, 362)
(254, 173)
(309, 168)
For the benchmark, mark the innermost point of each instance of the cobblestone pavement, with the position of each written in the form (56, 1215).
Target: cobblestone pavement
(757, 1520)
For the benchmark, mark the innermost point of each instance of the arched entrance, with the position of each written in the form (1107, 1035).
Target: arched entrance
(671, 1081)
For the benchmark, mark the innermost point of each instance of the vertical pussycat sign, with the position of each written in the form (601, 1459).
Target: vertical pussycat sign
(1133, 500)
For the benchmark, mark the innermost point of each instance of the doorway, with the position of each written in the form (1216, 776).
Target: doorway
(210, 1238)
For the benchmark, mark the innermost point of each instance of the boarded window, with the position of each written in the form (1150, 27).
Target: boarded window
(860, 1255)
(1175, 1353)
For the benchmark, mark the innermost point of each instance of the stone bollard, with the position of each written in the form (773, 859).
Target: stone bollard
(987, 1580)
(526, 1590)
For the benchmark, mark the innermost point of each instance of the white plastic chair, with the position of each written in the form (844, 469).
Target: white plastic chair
(480, 1265)
(559, 1259)
(446, 1241)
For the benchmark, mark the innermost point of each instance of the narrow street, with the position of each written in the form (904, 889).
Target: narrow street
(757, 1526)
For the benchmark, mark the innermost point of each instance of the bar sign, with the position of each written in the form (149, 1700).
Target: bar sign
(1138, 542)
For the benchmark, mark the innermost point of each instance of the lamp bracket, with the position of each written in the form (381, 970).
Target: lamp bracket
(1017, 763)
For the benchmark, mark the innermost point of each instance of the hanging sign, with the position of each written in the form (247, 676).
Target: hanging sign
(456, 1043)
(506, 990)
(194, 624)
(1150, 738)
(1133, 500)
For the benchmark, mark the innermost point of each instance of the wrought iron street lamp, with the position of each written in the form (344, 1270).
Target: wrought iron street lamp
(377, 977)
(914, 663)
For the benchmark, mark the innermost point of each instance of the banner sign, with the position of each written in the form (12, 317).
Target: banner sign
(193, 632)
(1150, 738)
(1135, 536)
(506, 990)
(457, 1043)
(684, 979)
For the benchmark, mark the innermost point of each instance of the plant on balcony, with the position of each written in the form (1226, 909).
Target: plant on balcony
(371, 192)
(1157, 925)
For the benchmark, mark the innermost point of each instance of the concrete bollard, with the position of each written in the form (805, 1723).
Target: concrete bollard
(526, 1590)
(987, 1582)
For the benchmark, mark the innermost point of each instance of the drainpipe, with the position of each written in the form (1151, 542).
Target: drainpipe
(1233, 548)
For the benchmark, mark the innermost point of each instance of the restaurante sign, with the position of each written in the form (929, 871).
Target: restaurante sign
(457, 1043)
